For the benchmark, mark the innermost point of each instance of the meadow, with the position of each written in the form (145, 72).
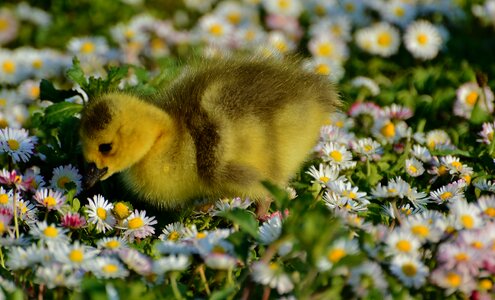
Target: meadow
(395, 202)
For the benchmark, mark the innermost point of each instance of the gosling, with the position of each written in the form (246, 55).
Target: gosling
(218, 130)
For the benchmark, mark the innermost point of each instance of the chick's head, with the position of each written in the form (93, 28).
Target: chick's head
(116, 131)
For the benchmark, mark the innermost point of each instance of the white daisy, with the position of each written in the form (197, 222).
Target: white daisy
(447, 193)
(66, 178)
(367, 148)
(414, 167)
(75, 255)
(272, 275)
(220, 261)
(470, 94)
(88, 46)
(10, 26)
(465, 215)
(169, 263)
(423, 40)
(215, 30)
(136, 261)
(487, 133)
(138, 225)
(227, 204)
(107, 267)
(99, 213)
(337, 26)
(381, 39)
(17, 144)
(453, 280)
(48, 233)
(411, 271)
(58, 275)
(337, 251)
(172, 232)
(50, 199)
(291, 8)
(487, 206)
(325, 67)
(338, 156)
(368, 83)
(400, 242)
(398, 12)
(113, 244)
(328, 47)
(270, 230)
(421, 153)
(422, 227)
(436, 139)
(361, 277)
(323, 175)
(13, 67)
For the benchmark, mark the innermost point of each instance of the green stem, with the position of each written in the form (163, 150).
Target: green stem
(16, 224)
(175, 288)
(201, 271)
(396, 212)
(368, 167)
(2, 261)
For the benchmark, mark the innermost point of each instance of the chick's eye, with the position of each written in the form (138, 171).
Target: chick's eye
(105, 148)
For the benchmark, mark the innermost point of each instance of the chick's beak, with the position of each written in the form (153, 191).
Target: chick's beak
(93, 174)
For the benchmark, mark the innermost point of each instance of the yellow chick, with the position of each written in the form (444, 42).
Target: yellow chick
(218, 130)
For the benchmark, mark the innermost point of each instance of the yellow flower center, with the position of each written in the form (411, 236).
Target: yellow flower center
(442, 170)
(284, 4)
(87, 47)
(50, 232)
(403, 246)
(250, 35)
(446, 195)
(13, 144)
(412, 169)
(453, 279)
(3, 102)
(76, 255)
(477, 244)
(4, 24)
(490, 136)
(422, 39)
(157, 44)
(281, 46)
(367, 148)
(420, 230)
(467, 221)
(384, 39)
(388, 130)
(324, 179)
(129, 34)
(135, 223)
(320, 10)
(9, 67)
(349, 7)
(62, 181)
(49, 201)
(200, 235)
(336, 155)
(174, 236)
(391, 191)
(467, 178)
(2, 227)
(399, 11)
(4, 199)
(216, 29)
(471, 98)
(37, 63)
(34, 92)
(336, 30)
(121, 210)
(485, 284)
(339, 124)
(101, 213)
(112, 244)
(409, 269)
(490, 211)
(110, 268)
(218, 249)
(234, 17)
(273, 266)
(461, 257)
(325, 49)
(457, 165)
(336, 254)
(322, 69)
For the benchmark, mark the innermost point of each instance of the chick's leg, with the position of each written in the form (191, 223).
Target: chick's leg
(262, 207)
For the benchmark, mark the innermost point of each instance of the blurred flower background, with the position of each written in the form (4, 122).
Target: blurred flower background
(397, 200)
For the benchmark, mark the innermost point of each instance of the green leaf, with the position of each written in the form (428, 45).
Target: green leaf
(223, 294)
(245, 219)
(49, 92)
(279, 195)
(76, 74)
(76, 204)
(58, 112)
(444, 152)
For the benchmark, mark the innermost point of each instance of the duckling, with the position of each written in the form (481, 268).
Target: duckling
(218, 130)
